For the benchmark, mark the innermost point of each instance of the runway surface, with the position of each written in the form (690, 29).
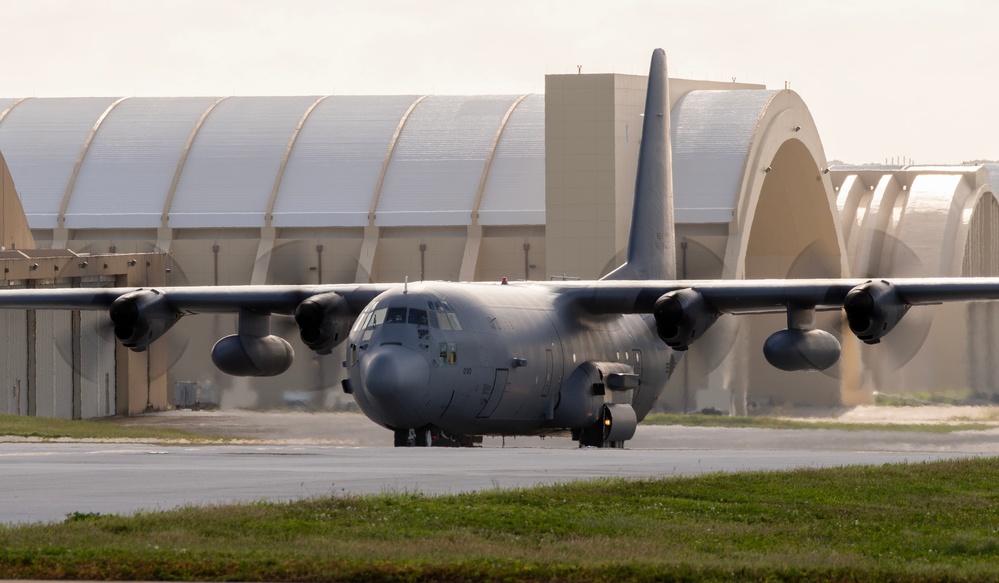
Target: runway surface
(47, 481)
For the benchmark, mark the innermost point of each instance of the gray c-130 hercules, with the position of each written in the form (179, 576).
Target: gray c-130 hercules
(444, 362)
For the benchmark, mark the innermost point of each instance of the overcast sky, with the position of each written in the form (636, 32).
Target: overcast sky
(882, 78)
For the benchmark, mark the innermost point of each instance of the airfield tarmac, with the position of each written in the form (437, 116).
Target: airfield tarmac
(301, 455)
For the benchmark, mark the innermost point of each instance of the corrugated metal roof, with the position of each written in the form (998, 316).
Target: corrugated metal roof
(712, 133)
(231, 170)
(336, 161)
(42, 139)
(515, 190)
(437, 165)
(131, 163)
(334, 165)
(232, 167)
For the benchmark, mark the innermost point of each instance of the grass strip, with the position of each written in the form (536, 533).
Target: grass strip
(46, 428)
(763, 422)
(929, 522)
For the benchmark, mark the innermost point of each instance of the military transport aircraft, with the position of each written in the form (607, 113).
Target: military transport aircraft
(444, 362)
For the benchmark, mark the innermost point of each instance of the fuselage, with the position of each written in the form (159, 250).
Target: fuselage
(490, 359)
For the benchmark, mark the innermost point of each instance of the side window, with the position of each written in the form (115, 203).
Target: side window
(451, 316)
(444, 315)
(361, 321)
(377, 319)
(437, 317)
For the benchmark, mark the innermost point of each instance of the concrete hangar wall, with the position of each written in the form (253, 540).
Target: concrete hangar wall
(65, 363)
(755, 198)
(284, 190)
(339, 189)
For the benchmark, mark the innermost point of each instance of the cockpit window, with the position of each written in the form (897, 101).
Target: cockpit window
(418, 316)
(362, 320)
(370, 319)
(396, 316)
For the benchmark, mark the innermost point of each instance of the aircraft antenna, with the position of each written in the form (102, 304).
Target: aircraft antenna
(405, 285)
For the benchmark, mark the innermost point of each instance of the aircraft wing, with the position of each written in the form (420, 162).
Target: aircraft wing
(773, 295)
(324, 314)
(684, 310)
(277, 299)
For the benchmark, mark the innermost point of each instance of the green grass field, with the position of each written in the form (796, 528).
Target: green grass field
(937, 521)
(766, 422)
(44, 428)
(933, 521)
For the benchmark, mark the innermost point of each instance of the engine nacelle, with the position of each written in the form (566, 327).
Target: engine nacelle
(242, 355)
(872, 309)
(140, 317)
(793, 350)
(619, 422)
(682, 316)
(323, 321)
(582, 395)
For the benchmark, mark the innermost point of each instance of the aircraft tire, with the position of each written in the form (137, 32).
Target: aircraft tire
(404, 438)
(592, 437)
(424, 437)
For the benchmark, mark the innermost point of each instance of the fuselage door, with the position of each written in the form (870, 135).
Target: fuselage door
(637, 366)
(549, 372)
(494, 394)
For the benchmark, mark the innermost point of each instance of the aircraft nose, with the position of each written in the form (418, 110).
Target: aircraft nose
(397, 379)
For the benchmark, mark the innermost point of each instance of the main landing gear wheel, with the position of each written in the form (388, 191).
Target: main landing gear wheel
(432, 436)
(422, 437)
(593, 436)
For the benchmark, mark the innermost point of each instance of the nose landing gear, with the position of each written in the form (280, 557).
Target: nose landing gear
(422, 437)
(428, 436)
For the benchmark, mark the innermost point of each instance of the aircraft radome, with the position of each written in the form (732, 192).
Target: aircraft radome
(445, 363)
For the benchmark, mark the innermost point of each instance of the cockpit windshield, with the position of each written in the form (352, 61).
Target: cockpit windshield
(439, 314)
(396, 316)
(418, 317)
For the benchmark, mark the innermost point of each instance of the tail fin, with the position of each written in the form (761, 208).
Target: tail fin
(652, 244)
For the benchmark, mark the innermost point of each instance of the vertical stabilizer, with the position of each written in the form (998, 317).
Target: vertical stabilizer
(652, 244)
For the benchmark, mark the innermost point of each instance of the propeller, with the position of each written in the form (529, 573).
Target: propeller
(295, 263)
(96, 362)
(904, 342)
